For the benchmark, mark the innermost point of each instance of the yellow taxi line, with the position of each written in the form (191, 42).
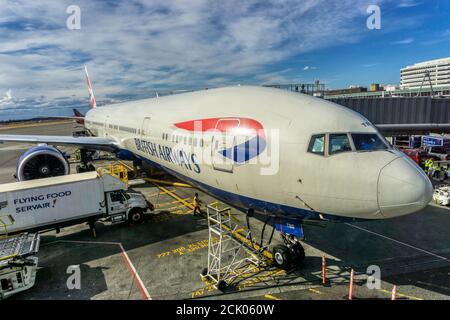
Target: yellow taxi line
(400, 294)
(269, 296)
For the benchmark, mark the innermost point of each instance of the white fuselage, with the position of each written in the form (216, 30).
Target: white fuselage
(280, 175)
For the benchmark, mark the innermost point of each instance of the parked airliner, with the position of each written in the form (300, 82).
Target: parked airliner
(259, 149)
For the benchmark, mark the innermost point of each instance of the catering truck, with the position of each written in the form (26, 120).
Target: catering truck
(51, 203)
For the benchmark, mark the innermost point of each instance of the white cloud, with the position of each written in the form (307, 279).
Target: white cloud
(7, 98)
(408, 4)
(404, 41)
(136, 47)
(307, 68)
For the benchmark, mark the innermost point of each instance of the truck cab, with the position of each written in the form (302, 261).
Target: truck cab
(126, 206)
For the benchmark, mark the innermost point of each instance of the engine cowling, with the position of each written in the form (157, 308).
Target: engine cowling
(42, 161)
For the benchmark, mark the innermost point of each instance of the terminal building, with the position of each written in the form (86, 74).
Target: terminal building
(435, 71)
(424, 79)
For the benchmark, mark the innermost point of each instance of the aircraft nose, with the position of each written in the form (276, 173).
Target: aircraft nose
(403, 188)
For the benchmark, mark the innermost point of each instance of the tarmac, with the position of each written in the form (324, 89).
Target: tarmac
(163, 257)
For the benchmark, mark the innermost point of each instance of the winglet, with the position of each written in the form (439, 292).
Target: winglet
(91, 92)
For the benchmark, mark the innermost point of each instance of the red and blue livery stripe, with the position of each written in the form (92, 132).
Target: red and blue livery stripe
(250, 129)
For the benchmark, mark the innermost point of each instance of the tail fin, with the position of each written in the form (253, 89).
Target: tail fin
(91, 92)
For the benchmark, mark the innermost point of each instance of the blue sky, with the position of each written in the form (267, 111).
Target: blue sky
(134, 48)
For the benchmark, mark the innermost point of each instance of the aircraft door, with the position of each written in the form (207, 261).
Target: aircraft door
(222, 152)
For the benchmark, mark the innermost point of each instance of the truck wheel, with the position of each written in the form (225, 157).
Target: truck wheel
(204, 271)
(282, 257)
(135, 216)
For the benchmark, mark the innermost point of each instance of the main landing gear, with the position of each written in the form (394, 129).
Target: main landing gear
(290, 254)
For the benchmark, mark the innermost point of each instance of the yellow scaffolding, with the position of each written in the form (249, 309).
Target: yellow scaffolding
(118, 170)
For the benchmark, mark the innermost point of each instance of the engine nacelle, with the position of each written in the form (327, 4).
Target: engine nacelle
(42, 161)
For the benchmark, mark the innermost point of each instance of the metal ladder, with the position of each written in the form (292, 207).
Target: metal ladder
(231, 250)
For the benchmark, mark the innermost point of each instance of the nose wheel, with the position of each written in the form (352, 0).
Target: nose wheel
(282, 257)
(291, 254)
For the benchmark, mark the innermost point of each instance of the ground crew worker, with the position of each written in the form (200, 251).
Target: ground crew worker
(429, 167)
(437, 170)
(196, 204)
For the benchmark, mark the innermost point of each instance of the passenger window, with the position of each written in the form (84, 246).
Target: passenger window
(317, 144)
(339, 143)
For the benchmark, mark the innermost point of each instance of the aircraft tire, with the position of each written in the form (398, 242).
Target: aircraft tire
(282, 257)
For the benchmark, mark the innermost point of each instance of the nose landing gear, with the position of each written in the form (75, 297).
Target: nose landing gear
(290, 254)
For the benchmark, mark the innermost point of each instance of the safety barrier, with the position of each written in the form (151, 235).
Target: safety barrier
(350, 289)
(324, 271)
(394, 293)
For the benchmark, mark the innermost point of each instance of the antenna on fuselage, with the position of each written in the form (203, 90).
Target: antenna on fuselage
(304, 203)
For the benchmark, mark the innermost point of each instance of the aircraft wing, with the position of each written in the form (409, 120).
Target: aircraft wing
(97, 143)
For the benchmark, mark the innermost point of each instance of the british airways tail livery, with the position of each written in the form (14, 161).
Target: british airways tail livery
(261, 149)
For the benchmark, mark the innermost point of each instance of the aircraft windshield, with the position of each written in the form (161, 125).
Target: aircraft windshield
(368, 142)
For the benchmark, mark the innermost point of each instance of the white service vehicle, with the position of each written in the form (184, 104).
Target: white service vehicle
(51, 203)
(441, 195)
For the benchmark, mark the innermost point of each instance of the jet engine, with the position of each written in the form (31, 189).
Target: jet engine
(42, 161)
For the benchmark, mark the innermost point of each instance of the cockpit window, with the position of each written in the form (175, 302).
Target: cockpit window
(317, 144)
(368, 142)
(339, 143)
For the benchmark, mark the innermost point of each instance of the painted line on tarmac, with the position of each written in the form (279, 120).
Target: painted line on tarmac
(400, 294)
(158, 205)
(174, 195)
(315, 291)
(271, 297)
(136, 278)
(400, 242)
